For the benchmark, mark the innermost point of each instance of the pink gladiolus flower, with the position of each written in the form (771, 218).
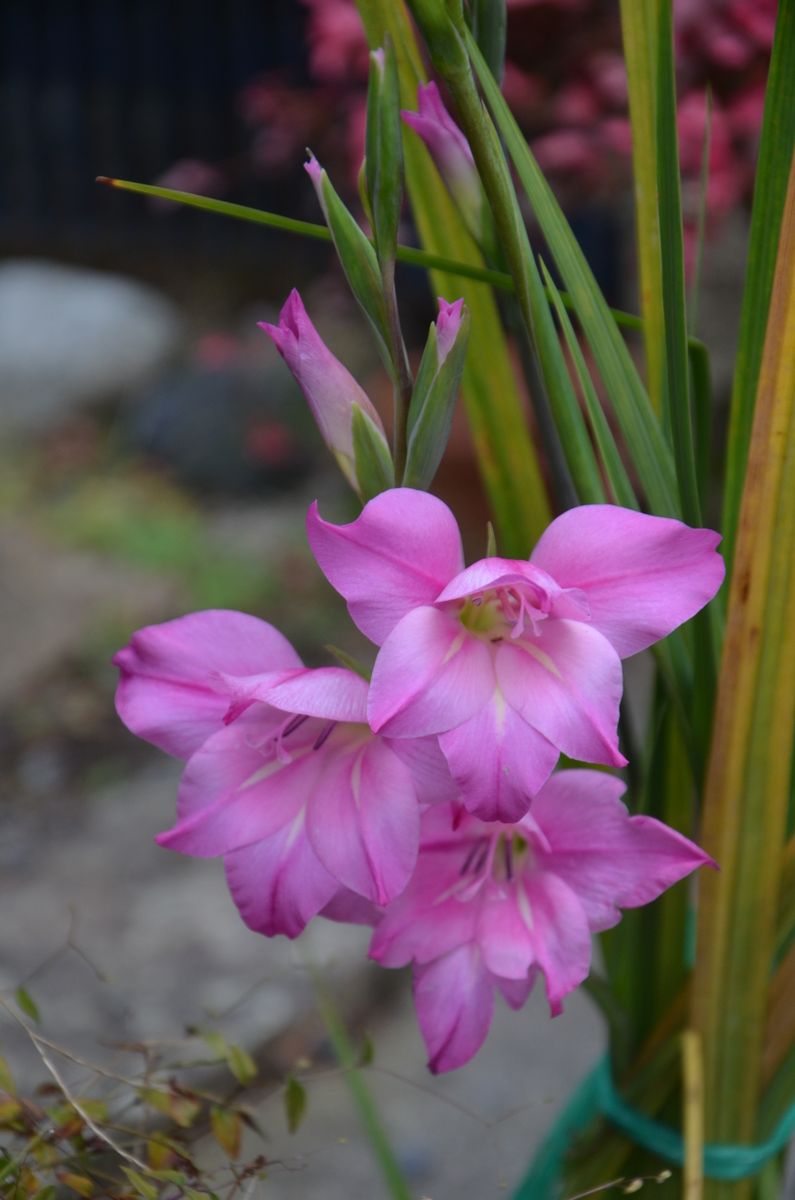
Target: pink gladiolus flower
(450, 152)
(490, 905)
(510, 661)
(285, 779)
(329, 387)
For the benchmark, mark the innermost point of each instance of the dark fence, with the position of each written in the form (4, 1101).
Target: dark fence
(126, 88)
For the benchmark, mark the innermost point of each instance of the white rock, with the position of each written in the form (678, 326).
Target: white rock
(70, 336)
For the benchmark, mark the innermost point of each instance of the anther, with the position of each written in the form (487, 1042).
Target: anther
(291, 726)
(324, 734)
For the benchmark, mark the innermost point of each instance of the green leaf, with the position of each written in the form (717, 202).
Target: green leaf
(394, 1179)
(488, 20)
(491, 541)
(676, 406)
(144, 1187)
(612, 465)
(239, 1061)
(294, 1102)
(242, 1065)
(348, 661)
(27, 1004)
(432, 406)
(747, 792)
(6, 1078)
(642, 433)
(384, 155)
(227, 1129)
(375, 471)
(639, 32)
(367, 1054)
(359, 263)
(77, 1183)
(773, 164)
(506, 456)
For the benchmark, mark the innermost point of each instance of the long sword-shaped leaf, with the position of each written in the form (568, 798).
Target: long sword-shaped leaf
(638, 31)
(613, 467)
(676, 405)
(642, 433)
(497, 420)
(748, 781)
(775, 152)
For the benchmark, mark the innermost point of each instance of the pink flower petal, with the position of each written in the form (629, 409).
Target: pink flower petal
(496, 572)
(363, 821)
(227, 759)
(611, 860)
(506, 931)
(430, 675)
(350, 909)
(279, 884)
(398, 554)
(271, 798)
(172, 692)
(430, 773)
(333, 693)
(429, 919)
(498, 761)
(455, 1002)
(516, 991)
(643, 575)
(560, 934)
(567, 684)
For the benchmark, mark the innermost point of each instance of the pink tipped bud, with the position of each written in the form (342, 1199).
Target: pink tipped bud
(448, 323)
(330, 389)
(450, 152)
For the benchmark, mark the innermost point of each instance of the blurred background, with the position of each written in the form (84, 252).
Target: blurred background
(155, 457)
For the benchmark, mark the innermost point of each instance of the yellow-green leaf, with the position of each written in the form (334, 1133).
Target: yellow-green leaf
(227, 1129)
(294, 1102)
(78, 1183)
(26, 1003)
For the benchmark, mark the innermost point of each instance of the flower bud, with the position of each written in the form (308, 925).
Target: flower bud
(331, 391)
(451, 154)
(357, 258)
(435, 391)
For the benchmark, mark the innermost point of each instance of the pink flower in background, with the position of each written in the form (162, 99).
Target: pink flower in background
(510, 661)
(490, 906)
(330, 389)
(285, 779)
(450, 152)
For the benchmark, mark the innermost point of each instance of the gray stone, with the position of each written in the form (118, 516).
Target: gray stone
(51, 599)
(70, 336)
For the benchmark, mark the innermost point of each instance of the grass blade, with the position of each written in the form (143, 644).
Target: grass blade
(507, 458)
(642, 433)
(613, 467)
(775, 152)
(748, 782)
(638, 32)
(676, 400)
(393, 1177)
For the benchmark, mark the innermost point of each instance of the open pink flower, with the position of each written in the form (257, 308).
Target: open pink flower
(492, 905)
(510, 661)
(285, 778)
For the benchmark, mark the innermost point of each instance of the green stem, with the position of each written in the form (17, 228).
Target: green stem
(411, 255)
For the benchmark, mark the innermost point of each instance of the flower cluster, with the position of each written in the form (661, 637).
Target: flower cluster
(423, 801)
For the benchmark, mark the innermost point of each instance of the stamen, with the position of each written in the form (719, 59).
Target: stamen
(295, 723)
(467, 863)
(324, 734)
(508, 855)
